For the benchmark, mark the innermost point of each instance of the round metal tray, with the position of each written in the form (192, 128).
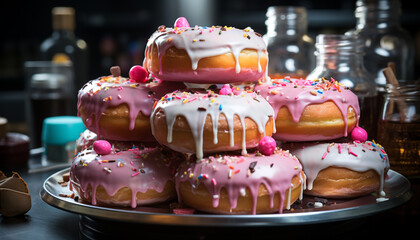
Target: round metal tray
(397, 189)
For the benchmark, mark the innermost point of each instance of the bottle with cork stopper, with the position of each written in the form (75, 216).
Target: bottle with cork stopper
(63, 46)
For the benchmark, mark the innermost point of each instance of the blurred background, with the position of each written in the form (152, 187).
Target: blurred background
(116, 32)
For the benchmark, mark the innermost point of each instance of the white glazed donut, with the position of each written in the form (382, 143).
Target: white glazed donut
(342, 170)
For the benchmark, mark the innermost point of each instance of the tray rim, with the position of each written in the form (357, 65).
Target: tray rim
(259, 220)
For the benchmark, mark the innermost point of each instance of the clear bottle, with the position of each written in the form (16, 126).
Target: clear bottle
(378, 25)
(64, 46)
(341, 57)
(289, 47)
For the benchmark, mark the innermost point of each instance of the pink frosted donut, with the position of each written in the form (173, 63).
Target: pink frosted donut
(307, 110)
(124, 178)
(241, 184)
(206, 54)
(341, 170)
(117, 108)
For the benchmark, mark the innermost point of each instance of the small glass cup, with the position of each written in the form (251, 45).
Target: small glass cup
(399, 128)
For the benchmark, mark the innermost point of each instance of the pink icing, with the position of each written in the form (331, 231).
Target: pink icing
(296, 94)
(139, 170)
(235, 174)
(97, 95)
(102, 147)
(138, 73)
(202, 42)
(359, 134)
(267, 145)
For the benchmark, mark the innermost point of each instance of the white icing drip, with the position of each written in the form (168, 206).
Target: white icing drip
(247, 106)
(244, 152)
(236, 53)
(214, 122)
(288, 198)
(170, 127)
(302, 178)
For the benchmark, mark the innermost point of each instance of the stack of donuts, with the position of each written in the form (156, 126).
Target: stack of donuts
(218, 124)
(201, 122)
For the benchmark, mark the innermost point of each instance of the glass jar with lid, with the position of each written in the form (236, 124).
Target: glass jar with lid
(290, 48)
(341, 57)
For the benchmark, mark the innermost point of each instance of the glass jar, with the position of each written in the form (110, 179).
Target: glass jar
(384, 39)
(399, 128)
(290, 48)
(341, 57)
(50, 92)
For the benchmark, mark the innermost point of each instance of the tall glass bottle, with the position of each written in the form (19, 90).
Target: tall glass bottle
(289, 46)
(63, 45)
(378, 25)
(341, 57)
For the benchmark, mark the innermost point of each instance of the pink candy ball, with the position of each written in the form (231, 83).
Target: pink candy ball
(102, 147)
(267, 145)
(138, 74)
(359, 134)
(181, 22)
(226, 90)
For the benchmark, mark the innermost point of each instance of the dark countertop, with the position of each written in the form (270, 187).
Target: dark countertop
(46, 222)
